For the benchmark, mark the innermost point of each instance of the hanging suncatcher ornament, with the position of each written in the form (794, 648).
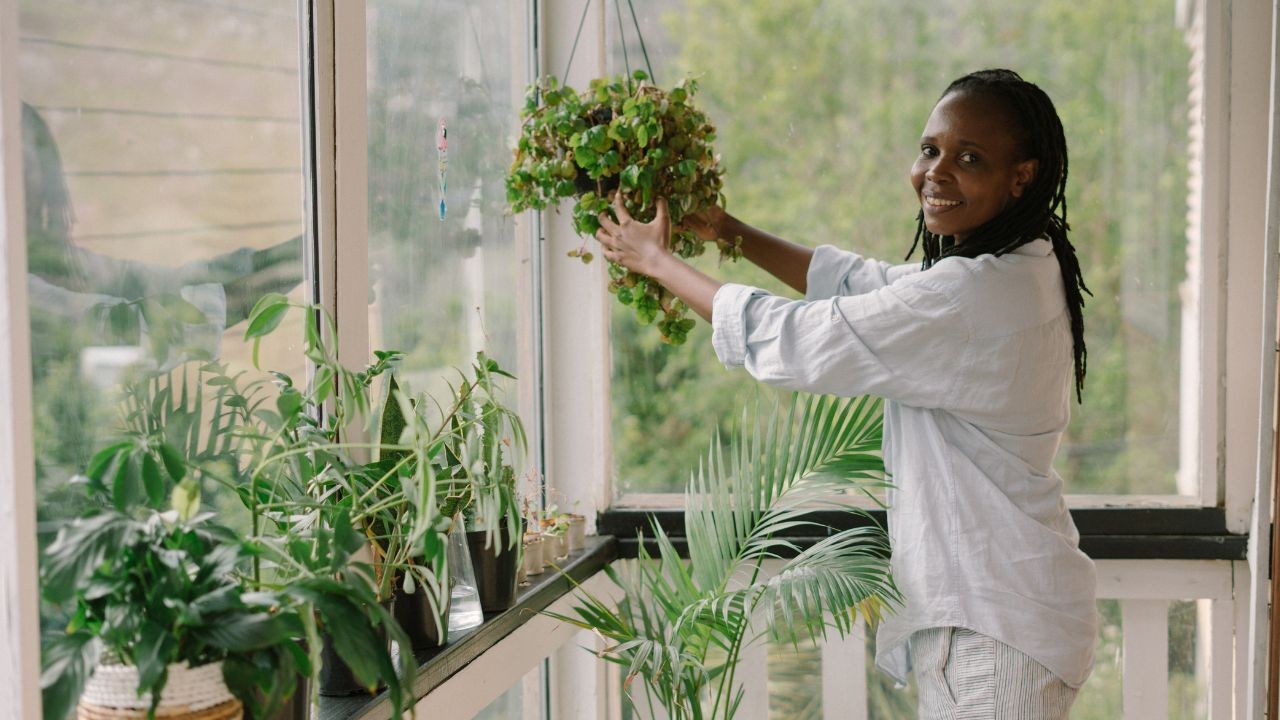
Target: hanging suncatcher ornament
(442, 162)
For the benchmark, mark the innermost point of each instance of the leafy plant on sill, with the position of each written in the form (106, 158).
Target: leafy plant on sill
(485, 443)
(312, 504)
(160, 588)
(629, 135)
(682, 627)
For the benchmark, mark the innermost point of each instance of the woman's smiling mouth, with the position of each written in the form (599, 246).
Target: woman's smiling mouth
(940, 202)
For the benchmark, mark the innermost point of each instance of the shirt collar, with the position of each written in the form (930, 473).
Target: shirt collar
(1037, 248)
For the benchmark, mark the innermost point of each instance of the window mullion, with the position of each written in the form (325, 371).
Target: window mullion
(350, 246)
(576, 305)
(19, 628)
(1259, 634)
(577, 360)
(1243, 334)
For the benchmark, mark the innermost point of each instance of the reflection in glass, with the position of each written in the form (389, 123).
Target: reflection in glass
(162, 172)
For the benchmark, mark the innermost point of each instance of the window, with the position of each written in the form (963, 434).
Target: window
(163, 181)
(448, 274)
(818, 111)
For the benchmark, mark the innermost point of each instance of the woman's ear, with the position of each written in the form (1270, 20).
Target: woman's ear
(1023, 174)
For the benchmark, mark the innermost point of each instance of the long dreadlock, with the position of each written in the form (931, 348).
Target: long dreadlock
(1041, 212)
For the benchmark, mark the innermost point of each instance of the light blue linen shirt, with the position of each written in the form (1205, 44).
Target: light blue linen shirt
(973, 358)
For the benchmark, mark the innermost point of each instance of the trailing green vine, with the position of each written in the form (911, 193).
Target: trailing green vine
(625, 135)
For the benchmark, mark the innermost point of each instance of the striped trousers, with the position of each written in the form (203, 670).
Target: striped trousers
(963, 675)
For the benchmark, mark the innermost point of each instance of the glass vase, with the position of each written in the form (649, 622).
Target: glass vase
(464, 603)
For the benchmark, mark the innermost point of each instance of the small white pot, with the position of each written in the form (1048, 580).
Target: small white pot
(534, 562)
(577, 533)
(559, 545)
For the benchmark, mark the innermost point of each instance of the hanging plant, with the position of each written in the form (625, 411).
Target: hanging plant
(624, 135)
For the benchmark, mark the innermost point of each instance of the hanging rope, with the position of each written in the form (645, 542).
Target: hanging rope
(626, 60)
(644, 51)
(573, 50)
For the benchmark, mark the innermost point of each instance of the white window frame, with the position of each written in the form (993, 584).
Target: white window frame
(19, 579)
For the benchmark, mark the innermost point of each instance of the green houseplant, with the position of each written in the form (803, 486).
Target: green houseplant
(157, 591)
(317, 505)
(627, 135)
(313, 508)
(485, 445)
(681, 626)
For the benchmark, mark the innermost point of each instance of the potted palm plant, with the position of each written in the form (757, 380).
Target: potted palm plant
(625, 135)
(681, 626)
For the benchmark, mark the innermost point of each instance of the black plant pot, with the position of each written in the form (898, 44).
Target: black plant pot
(295, 708)
(413, 612)
(336, 678)
(495, 571)
(583, 183)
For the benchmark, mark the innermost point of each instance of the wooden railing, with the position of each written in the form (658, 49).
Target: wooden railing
(1131, 680)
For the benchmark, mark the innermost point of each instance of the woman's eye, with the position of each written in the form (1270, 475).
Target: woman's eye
(968, 158)
(928, 150)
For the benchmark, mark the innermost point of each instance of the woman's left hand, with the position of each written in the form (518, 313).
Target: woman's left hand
(639, 247)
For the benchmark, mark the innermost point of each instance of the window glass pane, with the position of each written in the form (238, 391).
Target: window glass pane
(447, 278)
(519, 702)
(792, 691)
(819, 107)
(163, 177)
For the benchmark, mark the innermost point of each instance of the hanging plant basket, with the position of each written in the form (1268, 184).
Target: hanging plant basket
(191, 693)
(623, 134)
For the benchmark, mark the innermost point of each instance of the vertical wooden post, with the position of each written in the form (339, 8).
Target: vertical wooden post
(576, 352)
(1146, 651)
(844, 675)
(19, 606)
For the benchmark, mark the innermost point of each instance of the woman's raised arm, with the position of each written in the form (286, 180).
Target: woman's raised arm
(781, 258)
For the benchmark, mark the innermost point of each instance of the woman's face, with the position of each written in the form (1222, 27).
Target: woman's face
(969, 167)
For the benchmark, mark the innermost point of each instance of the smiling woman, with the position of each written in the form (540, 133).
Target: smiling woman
(972, 353)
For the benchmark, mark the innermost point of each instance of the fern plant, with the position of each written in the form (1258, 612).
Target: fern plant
(681, 626)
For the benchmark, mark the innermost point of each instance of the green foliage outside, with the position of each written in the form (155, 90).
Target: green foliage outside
(818, 108)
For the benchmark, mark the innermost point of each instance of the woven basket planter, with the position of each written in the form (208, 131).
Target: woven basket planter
(197, 693)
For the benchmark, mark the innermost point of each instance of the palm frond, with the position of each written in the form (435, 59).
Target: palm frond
(820, 442)
(683, 625)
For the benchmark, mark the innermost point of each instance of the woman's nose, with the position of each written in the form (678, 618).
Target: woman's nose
(937, 172)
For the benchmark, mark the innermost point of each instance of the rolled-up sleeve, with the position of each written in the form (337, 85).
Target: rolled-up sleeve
(906, 341)
(834, 272)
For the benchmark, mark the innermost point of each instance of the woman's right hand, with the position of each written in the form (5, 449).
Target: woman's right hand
(708, 224)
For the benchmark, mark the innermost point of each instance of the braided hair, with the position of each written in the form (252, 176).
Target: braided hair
(1041, 211)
